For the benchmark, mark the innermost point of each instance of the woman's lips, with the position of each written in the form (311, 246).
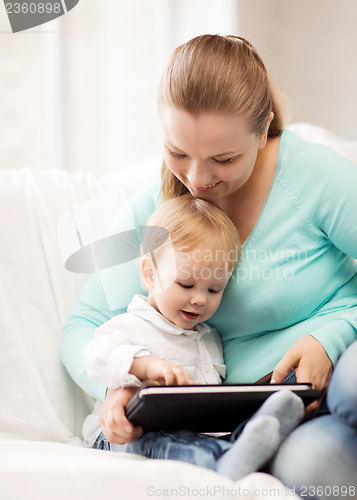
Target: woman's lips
(209, 187)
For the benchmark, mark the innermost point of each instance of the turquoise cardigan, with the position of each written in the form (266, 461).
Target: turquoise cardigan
(297, 274)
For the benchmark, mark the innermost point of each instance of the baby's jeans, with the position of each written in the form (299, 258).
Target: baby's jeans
(182, 445)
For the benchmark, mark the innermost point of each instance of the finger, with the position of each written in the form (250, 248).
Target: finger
(118, 431)
(169, 377)
(188, 379)
(151, 381)
(122, 437)
(182, 377)
(312, 409)
(116, 427)
(287, 363)
(173, 375)
(304, 376)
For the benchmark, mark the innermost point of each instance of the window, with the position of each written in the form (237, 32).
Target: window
(80, 92)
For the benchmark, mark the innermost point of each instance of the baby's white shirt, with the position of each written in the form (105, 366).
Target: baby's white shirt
(141, 331)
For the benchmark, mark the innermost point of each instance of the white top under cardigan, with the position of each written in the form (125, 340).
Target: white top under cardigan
(142, 331)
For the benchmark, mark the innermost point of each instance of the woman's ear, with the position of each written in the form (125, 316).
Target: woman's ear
(147, 272)
(264, 137)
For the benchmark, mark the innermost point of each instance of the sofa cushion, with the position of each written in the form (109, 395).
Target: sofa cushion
(39, 401)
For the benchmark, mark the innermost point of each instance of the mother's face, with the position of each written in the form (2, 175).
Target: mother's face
(212, 154)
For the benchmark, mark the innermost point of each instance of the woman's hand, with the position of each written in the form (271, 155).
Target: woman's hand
(310, 363)
(116, 427)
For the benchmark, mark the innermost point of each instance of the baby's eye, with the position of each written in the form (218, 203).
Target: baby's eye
(184, 285)
(211, 290)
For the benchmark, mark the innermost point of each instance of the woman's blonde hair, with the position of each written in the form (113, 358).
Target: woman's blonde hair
(224, 74)
(191, 222)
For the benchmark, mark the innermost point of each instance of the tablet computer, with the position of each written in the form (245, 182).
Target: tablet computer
(204, 408)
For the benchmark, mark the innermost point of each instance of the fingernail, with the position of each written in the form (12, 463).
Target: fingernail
(273, 381)
(128, 428)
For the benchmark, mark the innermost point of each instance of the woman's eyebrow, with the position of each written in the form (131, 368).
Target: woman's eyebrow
(211, 156)
(225, 154)
(174, 147)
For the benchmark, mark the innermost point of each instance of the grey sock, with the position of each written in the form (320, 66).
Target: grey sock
(287, 407)
(258, 442)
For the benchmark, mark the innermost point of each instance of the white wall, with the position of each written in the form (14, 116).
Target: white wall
(80, 92)
(311, 46)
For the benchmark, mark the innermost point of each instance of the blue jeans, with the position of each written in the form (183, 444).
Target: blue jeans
(319, 458)
(185, 446)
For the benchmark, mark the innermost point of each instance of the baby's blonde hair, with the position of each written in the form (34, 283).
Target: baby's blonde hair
(191, 223)
(223, 74)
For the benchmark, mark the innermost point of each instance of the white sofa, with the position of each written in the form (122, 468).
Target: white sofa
(42, 410)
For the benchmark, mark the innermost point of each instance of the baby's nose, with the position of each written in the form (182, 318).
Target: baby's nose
(198, 299)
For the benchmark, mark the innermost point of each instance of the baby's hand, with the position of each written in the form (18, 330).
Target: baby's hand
(166, 373)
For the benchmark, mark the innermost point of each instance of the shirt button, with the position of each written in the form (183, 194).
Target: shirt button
(206, 368)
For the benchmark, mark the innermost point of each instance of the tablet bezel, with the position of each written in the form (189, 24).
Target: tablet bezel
(204, 408)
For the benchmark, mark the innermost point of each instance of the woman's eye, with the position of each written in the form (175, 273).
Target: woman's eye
(224, 162)
(176, 155)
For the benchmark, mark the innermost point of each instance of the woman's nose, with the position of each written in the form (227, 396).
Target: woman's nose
(198, 175)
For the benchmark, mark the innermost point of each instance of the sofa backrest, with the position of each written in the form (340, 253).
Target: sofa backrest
(39, 401)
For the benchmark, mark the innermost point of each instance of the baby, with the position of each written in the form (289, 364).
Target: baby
(190, 249)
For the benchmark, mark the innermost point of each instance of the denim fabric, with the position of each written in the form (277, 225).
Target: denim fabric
(101, 443)
(181, 445)
(319, 459)
(342, 391)
(184, 446)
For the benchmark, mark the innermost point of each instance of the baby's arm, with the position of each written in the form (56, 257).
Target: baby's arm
(153, 368)
(116, 359)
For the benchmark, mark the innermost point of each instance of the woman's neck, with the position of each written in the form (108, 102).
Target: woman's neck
(244, 206)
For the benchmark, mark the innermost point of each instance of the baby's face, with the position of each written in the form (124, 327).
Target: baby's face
(194, 289)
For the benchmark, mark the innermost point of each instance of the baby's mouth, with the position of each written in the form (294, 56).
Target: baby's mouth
(190, 315)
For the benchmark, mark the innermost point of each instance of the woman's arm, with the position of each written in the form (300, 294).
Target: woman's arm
(312, 357)
(100, 294)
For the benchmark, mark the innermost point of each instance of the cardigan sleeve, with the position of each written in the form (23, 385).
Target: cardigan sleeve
(332, 214)
(100, 295)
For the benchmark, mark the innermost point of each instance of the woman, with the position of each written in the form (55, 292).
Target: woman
(292, 304)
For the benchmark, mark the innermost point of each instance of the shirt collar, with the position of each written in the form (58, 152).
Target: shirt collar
(141, 308)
